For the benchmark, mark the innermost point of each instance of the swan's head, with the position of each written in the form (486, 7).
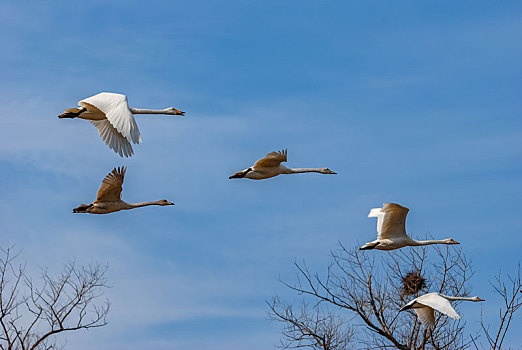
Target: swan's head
(450, 241)
(165, 202)
(477, 299)
(71, 113)
(83, 208)
(174, 111)
(327, 171)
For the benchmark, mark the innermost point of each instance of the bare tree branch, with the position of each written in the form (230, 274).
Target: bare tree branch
(368, 288)
(511, 294)
(310, 327)
(31, 314)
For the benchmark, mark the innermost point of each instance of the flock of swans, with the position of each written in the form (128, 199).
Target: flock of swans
(112, 116)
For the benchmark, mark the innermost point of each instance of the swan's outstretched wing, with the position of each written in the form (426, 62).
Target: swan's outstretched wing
(116, 110)
(391, 220)
(439, 303)
(272, 159)
(113, 138)
(427, 316)
(379, 214)
(110, 189)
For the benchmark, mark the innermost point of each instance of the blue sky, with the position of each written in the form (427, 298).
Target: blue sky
(414, 103)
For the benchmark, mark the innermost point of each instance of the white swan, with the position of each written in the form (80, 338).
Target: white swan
(425, 306)
(109, 200)
(112, 116)
(391, 229)
(270, 166)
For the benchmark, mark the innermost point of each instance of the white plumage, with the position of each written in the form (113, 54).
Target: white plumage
(111, 115)
(117, 114)
(426, 316)
(114, 139)
(379, 214)
(391, 229)
(425, 306)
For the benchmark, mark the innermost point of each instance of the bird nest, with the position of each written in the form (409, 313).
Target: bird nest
(413, 283)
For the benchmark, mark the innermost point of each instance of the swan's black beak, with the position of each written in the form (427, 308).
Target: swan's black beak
(330, 171)
(178, 112)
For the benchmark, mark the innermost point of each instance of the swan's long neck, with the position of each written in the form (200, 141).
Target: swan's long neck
(301, 170)
(430, 241)
(459, 298)
(143, 204)
(149, 111)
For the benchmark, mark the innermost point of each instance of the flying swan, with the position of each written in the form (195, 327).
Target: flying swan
(112, 116)
(425, 306)
(270, 166)
(391, 229)
(108, 199)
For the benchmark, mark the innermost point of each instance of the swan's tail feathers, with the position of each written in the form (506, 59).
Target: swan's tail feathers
(369, 246)
(72, 113)
(406, 307)
(82, 208)
(240, 174)
(375, 212)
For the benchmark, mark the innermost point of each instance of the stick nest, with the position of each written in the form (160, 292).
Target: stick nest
(413, 283)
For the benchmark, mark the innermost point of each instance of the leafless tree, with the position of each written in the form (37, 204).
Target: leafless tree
(511, 294)
(311, 327)
(368, 286)
(32, 313)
